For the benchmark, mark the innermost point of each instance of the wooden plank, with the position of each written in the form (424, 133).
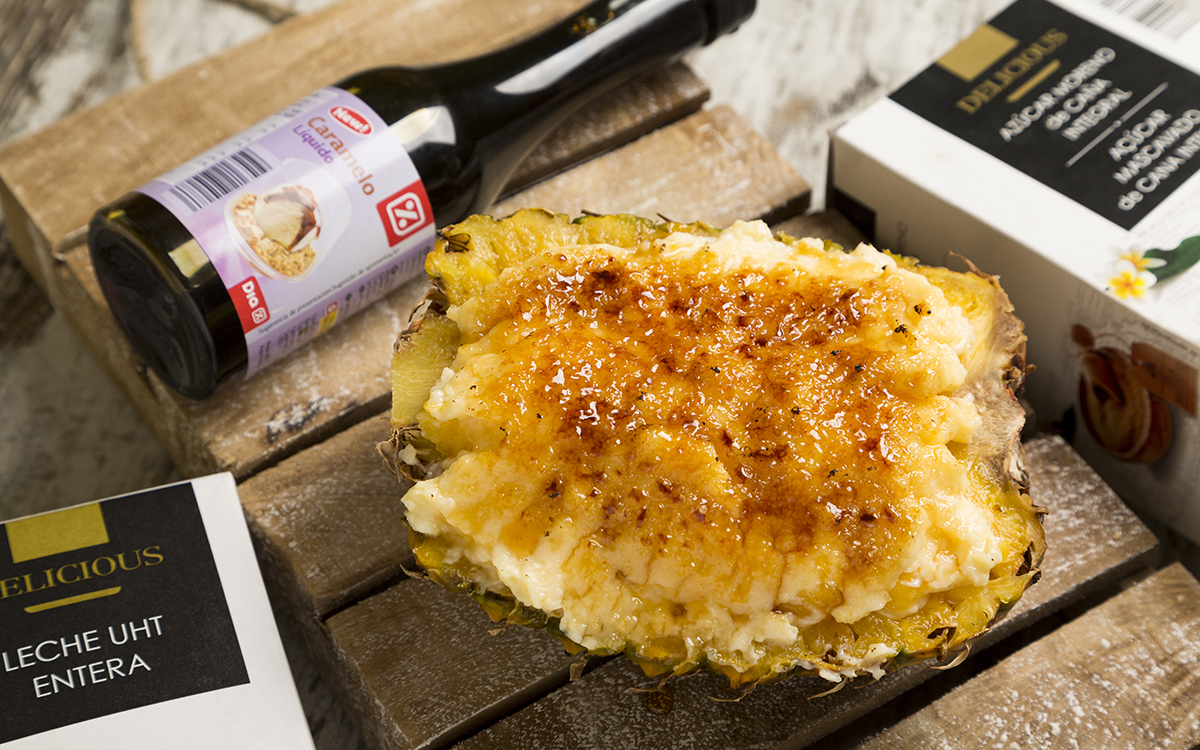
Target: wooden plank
(1093, 540)
(1125, 674)
(330, 522)
(342, 377)
(737, 175)
(644, 104)
(424, 665)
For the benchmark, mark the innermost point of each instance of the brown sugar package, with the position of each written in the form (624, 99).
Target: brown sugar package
(1060, 142)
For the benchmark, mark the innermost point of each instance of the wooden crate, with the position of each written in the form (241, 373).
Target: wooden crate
(417, 666)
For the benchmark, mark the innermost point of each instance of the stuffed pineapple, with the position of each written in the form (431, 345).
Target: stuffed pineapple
(716, 448)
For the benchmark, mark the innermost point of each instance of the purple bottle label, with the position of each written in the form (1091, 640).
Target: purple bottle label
(307, 217)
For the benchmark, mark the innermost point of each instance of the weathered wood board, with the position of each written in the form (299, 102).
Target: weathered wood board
(736, 175)
(426, 666)
(1125, 674)
(330, 521)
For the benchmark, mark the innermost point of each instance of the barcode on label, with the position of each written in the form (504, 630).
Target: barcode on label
(219, 180)
(1160, 15)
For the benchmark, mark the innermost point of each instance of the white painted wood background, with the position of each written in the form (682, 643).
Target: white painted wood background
(796, 70)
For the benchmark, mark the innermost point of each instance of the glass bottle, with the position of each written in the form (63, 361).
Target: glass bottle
(200, 315)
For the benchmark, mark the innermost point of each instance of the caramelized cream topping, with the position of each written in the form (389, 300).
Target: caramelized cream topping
(707, 441)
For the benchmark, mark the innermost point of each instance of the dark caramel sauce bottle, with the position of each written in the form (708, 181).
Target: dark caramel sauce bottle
(465, 125)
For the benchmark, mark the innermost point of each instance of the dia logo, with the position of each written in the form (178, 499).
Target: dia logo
(250, 303)
(404, 212)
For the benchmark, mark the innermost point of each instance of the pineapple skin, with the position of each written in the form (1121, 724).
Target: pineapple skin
(472, 255)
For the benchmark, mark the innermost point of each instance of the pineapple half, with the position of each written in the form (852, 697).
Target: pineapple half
(715, 448)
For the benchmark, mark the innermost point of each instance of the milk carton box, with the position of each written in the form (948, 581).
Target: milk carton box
(142, 622)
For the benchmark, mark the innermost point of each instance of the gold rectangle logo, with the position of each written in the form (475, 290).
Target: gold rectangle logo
(977, 53)
(60, 531)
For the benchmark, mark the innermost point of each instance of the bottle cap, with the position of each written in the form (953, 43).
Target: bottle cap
(725, 16)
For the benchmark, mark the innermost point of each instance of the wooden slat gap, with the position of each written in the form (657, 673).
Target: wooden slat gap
(592, 664)
(793, 208)
(1085, 596)
(337, 486)
(497, 711)
(442, 670)
(400, 577)
(309, 438)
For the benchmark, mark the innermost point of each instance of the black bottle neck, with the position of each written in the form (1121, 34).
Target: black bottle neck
(468, 124)
(576, 60)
